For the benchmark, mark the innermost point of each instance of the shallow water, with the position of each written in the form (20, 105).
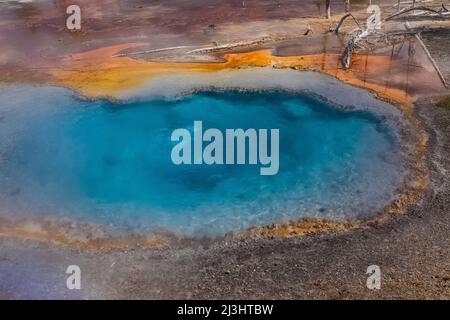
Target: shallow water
(110, 162)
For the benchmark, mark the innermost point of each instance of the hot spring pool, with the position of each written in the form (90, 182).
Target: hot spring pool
(110, 162)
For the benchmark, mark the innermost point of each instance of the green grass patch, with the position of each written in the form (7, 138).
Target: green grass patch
(445, 103)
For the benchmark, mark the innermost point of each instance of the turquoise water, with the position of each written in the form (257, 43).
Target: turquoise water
(110, 162)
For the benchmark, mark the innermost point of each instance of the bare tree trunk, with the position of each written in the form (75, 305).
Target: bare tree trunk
(328, 8)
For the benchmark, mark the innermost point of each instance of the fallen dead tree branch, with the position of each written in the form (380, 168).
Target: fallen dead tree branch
(370, 38)
(430, 57)
(348, 15)
(402, 12)
(246, 44)
(149, 51)
(228, 46)
(348, 51)
(433, 62)
(364, 40)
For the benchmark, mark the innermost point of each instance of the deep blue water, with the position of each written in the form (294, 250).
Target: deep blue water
(110, 162)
